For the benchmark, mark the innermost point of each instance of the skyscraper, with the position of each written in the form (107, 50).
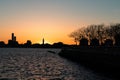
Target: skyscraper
(13, 37)
(12, 42)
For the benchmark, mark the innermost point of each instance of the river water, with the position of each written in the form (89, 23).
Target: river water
(41, 64)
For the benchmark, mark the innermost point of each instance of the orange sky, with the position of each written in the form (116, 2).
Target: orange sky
(51, 30)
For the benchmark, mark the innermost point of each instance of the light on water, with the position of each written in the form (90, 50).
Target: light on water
(41, 64)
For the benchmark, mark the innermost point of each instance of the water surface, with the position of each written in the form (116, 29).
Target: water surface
(41, 64)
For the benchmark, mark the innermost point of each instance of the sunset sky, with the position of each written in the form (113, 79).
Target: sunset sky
(53, 20)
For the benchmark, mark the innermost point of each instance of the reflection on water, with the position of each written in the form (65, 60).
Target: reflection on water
(40, 64)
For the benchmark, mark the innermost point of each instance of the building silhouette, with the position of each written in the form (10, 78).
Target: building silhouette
(13, 37)
(94, 42)
(12, 42)
(28, 44)
(83, 42)
(2, 44)
(43, 41)
(108, 42)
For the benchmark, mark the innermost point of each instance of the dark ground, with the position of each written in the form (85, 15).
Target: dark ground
(104, 60)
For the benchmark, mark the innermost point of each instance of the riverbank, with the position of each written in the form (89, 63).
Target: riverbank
(105, 60)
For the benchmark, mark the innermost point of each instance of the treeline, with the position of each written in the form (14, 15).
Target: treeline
(96, 35)
(29, 44)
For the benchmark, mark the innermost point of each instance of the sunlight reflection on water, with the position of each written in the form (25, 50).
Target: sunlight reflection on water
(41, 64)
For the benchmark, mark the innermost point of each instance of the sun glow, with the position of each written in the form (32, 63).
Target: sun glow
(45, 42)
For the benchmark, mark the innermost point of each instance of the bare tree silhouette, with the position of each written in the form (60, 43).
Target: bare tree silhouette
(78, 35)
(115, 32)
(99, 32)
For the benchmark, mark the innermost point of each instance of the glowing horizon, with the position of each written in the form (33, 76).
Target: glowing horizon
(53, 20)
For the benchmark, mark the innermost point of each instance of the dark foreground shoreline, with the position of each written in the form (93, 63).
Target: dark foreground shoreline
(104, 60)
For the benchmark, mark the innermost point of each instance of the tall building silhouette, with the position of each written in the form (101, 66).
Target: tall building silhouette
(12, 42)
(43, 41)
(13, 37)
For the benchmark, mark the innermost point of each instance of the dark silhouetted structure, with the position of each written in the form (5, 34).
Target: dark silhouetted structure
(83, 42)
(12, 42)
(108, 42)
(117, 40)
(37, 45)
(13, 37)
(2, 44)
(94, 42)
(43, 41)
(28, 44)
(58, 45)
